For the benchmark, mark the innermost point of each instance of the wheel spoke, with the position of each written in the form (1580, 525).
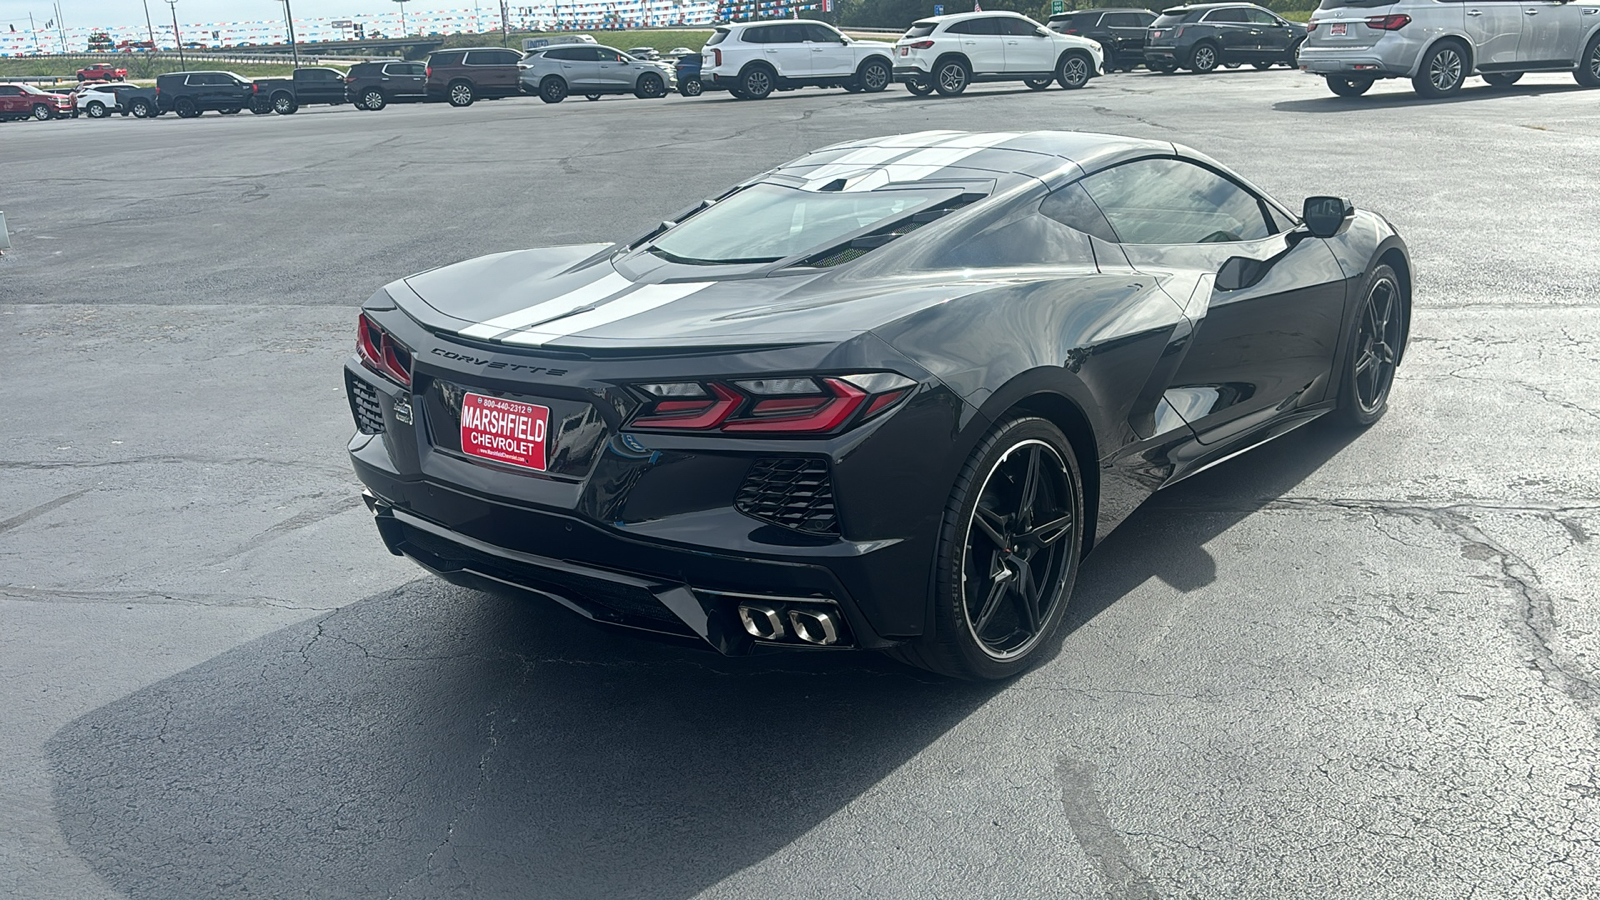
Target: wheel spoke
(1048, 533)
(1030, 486)
(993, 527)
(1027, 595)
(1366, 362)
(991, 603)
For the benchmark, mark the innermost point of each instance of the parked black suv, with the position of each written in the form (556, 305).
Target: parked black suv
(374, 85)
(305, 86)
(191, 93)
(1205, 36)
(462, 76)
(1119, 31)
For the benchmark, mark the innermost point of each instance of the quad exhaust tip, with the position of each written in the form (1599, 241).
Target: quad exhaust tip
(808, 626)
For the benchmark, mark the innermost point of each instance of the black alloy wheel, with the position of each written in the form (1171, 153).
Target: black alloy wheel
(756, 83)
(1008, 555)
(920, 88)
(950, 77)
(96, 110)
(141, 108)
(650, 87)
(1074, 71)
(553, 89)
(373, 99)
(461, 93)
(1348, 87)
(1442, 71)
(875, 76)
(1588, 71)
(284, 105)
(691, 87)
(1203, 61)
(187, 109)
(1503, 79)
(1376, 344)
(1038, 84)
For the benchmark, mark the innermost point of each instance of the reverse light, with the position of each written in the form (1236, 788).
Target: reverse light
(799, 405)
(1393, 22)
(382, 353)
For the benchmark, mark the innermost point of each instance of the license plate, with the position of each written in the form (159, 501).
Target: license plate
(505, 431)
(1337, 29)
(905, 51)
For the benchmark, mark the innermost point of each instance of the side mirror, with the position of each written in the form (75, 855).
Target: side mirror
(1239, 272)
(1041, 31)
(1326, 216)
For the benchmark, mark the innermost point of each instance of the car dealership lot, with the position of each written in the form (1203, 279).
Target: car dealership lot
(1335, 667)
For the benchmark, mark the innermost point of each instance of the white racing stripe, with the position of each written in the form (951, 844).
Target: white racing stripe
(924, 163)
(642, 300)
(589, 294)
(911, 149)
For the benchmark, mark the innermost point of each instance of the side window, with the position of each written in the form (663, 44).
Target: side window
(1226, 16)
(1072, 207)
(959, 27)
(1170, 201)
(820, 34)
(479, 58)
(759, 35)
(1015, 27)
(510, 57)
(1261, 17)
(1124, 20)
(607, 55)
(7, 90)
(986, 25)
(560, 54)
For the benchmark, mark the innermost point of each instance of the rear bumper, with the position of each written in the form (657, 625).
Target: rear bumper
(1163, 55)
(1393, 56)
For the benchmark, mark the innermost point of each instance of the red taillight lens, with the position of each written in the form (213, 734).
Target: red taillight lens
(778, 406)
(382, 353)
(1393, 22)
(255, 88)
(716, 58)
(1069, 31)
(1311, 26)
(921, 45)
(428, 72)
(349, 79)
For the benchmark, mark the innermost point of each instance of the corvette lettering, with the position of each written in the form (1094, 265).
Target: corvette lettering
(492, 364)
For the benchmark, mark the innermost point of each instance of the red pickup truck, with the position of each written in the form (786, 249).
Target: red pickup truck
(102, 72)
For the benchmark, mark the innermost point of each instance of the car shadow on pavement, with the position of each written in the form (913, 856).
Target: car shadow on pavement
(434, 740)
(1332, 103)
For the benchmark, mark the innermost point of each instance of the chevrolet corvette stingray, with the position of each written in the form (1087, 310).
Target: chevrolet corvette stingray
(885, 396)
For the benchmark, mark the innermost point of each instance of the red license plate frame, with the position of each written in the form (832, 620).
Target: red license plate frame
(507, 432)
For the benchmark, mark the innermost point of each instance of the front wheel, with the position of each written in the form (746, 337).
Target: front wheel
(951, 77)
(553, 89)
(461, 94)
(1376, 344)
(874, 76)
(1037, 84)
(374, 100)
(1588, 71)
(1348, 87)
(920, 88)
(1008, 555)
(141, 109)
(691, 87)
(42, 113)
(756, 83)
(96, 110)
(1074, 70)
(1442, 72)
(1204, 60)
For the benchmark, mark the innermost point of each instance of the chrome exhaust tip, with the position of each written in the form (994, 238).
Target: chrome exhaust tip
(814, 627)
(761, 621)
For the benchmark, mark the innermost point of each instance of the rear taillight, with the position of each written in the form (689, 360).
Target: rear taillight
(716, 59)
(921, 45)
(349, 79)
(428, 72)
(382, 353)
(1069, 31)
(1393, 22)
(799, 405)
(1310, 27)
(255, 88)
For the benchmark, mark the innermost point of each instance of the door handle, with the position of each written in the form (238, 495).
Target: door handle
(1530, 12)
(1474, 12)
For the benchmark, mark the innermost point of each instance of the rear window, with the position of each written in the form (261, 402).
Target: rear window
(1167, 19)
(717, 37)
(445, 59)
(921, 29)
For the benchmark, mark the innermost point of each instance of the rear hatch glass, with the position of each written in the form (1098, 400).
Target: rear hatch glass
(921, 29)
(718, 37)
(1167, 20)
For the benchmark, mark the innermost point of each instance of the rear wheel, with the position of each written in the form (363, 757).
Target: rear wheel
(141, 108)
(920, 88)
(1443, 70)
(260, 106)
(231, 111)
(1588, 71)
(1037, 84)
(1165, 68)
(1203, 61)
(553, 89)
(462, 94)
(874, 76)
(1074, 70)
(96, 109)
(1263, 65)
(1348, 87)
(756, 83)
(1376, 343)
(950, 77)
(1008, 555)
(591, 97)
(691, 87)
(373, 99)
(186, 109)
(650, 87)
(284, 104)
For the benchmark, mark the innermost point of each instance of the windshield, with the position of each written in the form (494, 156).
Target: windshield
(768, 222)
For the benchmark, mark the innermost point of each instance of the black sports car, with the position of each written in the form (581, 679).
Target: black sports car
(885, 396)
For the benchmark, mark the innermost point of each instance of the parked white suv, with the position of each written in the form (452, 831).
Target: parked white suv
(753, 59)
(1438, 44)
(947, 53)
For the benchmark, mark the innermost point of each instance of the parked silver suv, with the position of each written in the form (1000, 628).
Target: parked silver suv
(1439, 43)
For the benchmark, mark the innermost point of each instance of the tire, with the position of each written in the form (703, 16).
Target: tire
(284, 104)
(850, 87)
(1074, 70)
(260, 106)
(1348, 87)
(1263, 65)
(186, 108)
(1291, 57)
(1503, 79)
(42, 113)
(650, 87)
(691, 88)
(1588, 71)
(1203, 59)
(591, 97)
(737, 94)
(553, 89)
(756, 82)
(1166, 68)
(1442, 71)
(373, 99)
(140, 108)
(1377, 343)
(951, 77)
(1005, 571)
(96, 110)
(230, 112)
(1037, 84)
(920, 88)
(461, 93)
(873, 76)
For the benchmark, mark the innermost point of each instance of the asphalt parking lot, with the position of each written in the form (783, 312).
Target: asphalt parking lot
(1341, 666)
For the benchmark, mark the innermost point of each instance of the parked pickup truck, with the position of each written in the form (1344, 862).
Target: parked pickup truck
(311, 85)
(102, 72)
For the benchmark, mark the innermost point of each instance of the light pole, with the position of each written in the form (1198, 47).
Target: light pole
(151, 28)
(176, 37)
(403, 31)
(288, 16)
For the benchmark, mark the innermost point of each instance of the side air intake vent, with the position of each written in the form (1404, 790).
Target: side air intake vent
(794, 492)
(364, 405)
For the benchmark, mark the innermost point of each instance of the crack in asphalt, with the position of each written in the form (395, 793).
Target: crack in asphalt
(41, 509)
(21, 594)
